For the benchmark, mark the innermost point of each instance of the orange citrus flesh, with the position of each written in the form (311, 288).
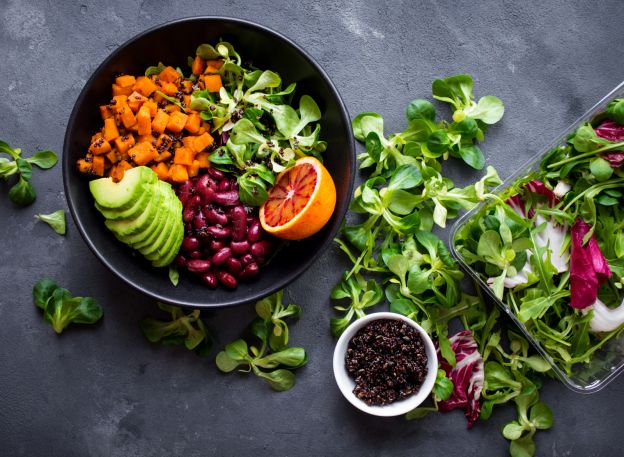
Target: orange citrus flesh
(301, 201)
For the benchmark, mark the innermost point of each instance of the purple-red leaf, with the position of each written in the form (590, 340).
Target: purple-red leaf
(517, 204)
(610, 130)
(616, 159)
(468, 376)
(588, 267)
(538, 187)
(599, 262)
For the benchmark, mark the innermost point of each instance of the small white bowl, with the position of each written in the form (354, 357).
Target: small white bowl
(347, 384)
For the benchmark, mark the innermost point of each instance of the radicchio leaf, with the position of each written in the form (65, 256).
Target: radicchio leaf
(588, 267)
(467, 376)
(616, 159)
(538, 187)
(517, 204)
(610, 130)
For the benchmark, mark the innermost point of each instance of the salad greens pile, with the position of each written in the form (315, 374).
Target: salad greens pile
(22, 192)
(262, 131)
(551, 246)
(397, 259)
(60, 308)
(424, 140)
(273, 361)
(182, 328)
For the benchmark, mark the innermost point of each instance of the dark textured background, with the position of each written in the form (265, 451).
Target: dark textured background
(105, 391)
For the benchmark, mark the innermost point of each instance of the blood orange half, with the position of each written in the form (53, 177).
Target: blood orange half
(301, 201)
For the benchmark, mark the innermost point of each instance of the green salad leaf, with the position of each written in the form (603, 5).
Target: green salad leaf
(23, 193)
(55, 220)
(181, 328)
(60, 308)
(273, 361)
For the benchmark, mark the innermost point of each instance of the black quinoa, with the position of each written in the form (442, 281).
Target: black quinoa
(388, 361)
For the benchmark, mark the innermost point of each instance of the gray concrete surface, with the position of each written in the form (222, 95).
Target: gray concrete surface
(105, 391)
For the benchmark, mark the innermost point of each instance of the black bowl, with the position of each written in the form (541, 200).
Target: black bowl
(171, 43)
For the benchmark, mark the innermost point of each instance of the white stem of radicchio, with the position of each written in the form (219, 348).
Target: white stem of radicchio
(605, 319)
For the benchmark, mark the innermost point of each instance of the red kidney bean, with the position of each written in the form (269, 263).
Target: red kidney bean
(227, 198)
(261, 249)
(234, 266)
(254, 231)
(227, 280)
(198, 265)
(216, 174)
(194, 201)
(247, 259)
(206, 193)
(215, 245)
(215, 217)
(223, 185)
(239, 223)
(199, 221)
(190, 243)
(240, 247)
(221, 256)
(196, 255)
(250, 271)
(190, 209)
(203, 236)
(220, 232)
(188, 214)
(185, 192)
(210, 279)
(203, 182)
(180, 261)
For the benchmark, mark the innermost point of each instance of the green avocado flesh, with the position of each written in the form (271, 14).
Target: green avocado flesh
(142, 212)
(124, 194)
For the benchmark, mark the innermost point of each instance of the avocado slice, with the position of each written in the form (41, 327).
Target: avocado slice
(153, 250)
(132, 212)
(124, 194)
(126, 227)
(171, 250)
(154, 231)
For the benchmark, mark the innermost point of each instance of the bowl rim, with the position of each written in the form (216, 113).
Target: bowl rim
(345, 383)
(67, 168)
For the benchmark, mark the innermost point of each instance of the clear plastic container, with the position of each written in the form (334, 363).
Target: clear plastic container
(607, 362)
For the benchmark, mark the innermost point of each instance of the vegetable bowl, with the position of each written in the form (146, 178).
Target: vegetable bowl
(548, 247)
(124, 187)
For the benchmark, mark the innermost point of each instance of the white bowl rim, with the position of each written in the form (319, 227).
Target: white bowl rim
(346, 383)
